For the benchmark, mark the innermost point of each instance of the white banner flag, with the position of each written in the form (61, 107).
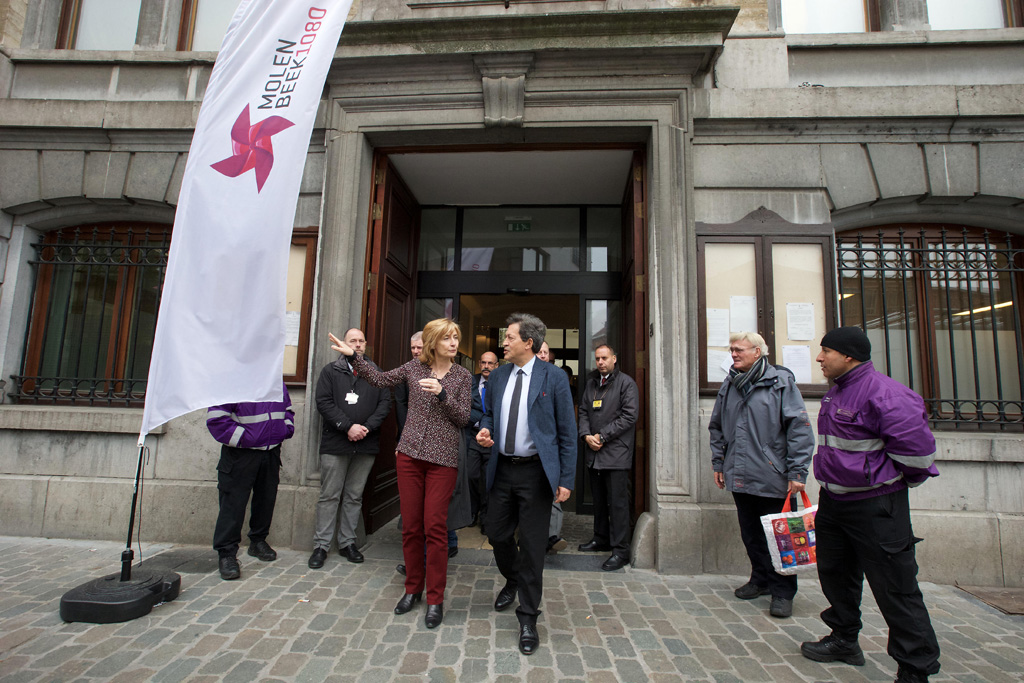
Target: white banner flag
(220, 335)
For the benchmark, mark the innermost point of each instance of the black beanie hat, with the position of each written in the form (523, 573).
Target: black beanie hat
(849, 341)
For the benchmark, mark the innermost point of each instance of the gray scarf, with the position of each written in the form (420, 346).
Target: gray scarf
(745, 381)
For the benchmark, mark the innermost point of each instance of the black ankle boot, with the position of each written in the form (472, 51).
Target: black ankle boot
(435, 613)
(407, 602)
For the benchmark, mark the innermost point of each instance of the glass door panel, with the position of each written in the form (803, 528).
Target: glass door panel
(521, 239)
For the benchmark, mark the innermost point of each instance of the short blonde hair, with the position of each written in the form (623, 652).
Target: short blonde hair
(434, 332)
(755, 340)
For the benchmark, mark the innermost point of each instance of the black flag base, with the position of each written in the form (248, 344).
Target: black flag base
(110, 600)
(121, 597)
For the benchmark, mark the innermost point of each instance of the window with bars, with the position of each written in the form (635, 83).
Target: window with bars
(94, 314)
(95, 306)
(941, 305)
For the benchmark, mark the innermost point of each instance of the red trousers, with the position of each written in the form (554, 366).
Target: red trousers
(425, 489)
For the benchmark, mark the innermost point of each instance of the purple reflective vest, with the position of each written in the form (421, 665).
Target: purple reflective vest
(259, 426)
(873, 437)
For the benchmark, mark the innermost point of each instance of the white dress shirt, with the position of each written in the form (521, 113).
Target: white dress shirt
(524, 440)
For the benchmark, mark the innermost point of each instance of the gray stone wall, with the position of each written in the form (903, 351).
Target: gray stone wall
(848, 130)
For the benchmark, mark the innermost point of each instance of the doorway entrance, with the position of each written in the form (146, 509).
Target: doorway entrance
(577, 324)
(578, 267)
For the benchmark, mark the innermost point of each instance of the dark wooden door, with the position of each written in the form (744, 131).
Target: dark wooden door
(388, 307)
(633, 357)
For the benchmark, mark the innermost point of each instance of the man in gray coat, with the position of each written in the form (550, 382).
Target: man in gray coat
(608, 412)
(761, 447)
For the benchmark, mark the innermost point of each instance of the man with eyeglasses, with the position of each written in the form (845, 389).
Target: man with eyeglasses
(761, 447)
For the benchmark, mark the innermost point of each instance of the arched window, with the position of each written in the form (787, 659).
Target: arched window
(94, 314)
(942, 306)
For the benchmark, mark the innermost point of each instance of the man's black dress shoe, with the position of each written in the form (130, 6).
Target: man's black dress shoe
(506, 596)
(400, 569)
(435, 613)
(316, 560)
(593, 546)
(407, 602)
(453, 551)
(229, 569)
(351, 553)
(262, 551)
(615, 562)
(528, 639)
(556, 543)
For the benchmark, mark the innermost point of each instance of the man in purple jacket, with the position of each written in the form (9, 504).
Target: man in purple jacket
(873, 443)
(250, 461)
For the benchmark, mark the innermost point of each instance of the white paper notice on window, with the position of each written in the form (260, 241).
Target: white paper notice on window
(291, 328)
(800, 322)
(718, 326)
(798, 359)
(743, 313)
(719, 363)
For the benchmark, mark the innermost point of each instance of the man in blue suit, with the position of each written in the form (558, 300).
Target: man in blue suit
(530, 427)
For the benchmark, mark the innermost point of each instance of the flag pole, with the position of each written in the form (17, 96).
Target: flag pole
(129, 555)
(119, 597)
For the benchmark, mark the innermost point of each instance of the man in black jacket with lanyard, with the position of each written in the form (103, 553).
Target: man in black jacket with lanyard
(352, 412)
(608, 413)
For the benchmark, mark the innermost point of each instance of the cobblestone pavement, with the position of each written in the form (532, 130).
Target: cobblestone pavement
(285, 622)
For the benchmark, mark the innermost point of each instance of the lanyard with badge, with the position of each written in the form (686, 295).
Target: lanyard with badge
(352, 397)
(596, 404)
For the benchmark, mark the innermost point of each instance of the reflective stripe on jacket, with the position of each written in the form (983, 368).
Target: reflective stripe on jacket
(259, 426)
(762, 441)
(873, 437)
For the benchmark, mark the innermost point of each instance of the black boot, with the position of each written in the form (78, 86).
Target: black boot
(407, 602)
(832, 648)
(435, 613)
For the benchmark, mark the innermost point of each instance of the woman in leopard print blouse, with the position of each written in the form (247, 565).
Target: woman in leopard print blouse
(428, 456)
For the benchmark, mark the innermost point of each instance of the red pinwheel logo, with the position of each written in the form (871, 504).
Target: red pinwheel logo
(251, 148)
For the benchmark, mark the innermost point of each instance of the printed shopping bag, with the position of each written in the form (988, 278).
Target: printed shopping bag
(791, 537)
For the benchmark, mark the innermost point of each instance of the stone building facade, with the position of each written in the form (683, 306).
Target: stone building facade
(874, 152)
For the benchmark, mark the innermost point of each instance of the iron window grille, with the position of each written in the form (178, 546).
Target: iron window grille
(93, 315)
(941, 305)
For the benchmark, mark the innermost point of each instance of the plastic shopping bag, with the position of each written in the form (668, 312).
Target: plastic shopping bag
(791, 537)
